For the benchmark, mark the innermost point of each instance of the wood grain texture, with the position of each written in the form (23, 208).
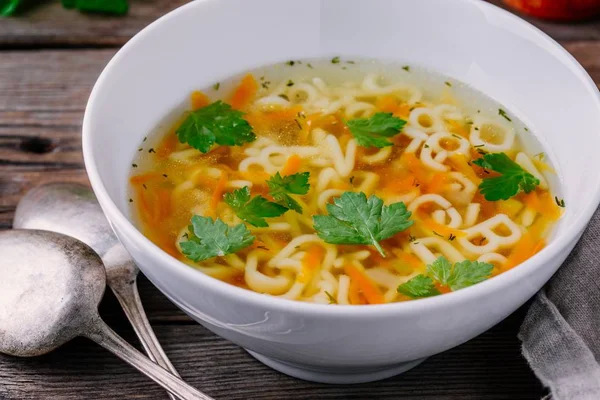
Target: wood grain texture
(487, 367)
(43, 93)
(48, 24)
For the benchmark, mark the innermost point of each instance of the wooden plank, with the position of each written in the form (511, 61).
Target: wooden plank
(48, 24)
(488, 367)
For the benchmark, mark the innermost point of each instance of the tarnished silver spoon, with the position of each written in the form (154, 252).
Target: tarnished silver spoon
(50, 287)
(72, 209)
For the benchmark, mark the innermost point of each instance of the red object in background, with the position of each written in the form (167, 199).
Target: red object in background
(561, 10)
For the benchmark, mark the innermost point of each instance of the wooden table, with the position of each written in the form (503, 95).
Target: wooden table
(49, 60)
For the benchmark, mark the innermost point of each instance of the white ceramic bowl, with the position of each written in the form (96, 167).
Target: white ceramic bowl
(209, 40)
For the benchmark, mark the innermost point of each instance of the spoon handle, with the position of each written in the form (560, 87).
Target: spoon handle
(128, 295)
(100, 333)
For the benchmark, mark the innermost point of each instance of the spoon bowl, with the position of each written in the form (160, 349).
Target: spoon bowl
(72, 209)
(44, 305)
(50, 288)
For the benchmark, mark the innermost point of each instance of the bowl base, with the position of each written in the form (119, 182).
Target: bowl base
(337, 375)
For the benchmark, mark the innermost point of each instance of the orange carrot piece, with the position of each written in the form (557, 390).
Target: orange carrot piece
(354, 295)
(437, 183)
(218, 193)
(366, 286)
(167, 146)
(459, 162)
(401, 185)
(292, 165)
(311, 263)
(527, 247)
(402, 111)
(244, 93)
(199, 100)
(386, 103)
(143, 178)
(441, 229)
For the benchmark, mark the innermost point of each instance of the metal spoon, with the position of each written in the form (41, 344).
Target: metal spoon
(50, 287)
(72, 209)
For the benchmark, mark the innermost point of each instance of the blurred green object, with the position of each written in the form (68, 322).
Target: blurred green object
(119, 7)
(8, 7)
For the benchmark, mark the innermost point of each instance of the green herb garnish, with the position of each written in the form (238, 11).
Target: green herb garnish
(559, 202)
(216, 123)
(448, 84)
(419, 286)
(461, 275)
(406, 68)
(513, 179)
(216, 86)
(354, 219)
(208, 239)
(330, 297)
(253, 210)
(503, 113)
(280, 187)
(335, 60)
(374, 131)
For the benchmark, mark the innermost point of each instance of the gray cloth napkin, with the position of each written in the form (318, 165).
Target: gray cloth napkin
(561, 332)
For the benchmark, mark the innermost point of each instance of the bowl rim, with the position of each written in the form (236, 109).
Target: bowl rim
(468, 294)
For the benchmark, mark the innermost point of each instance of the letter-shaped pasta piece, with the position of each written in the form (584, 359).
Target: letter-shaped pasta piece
(493, 258)
(343, 164)
(494, 241)
(434, 145)
(426, 119)
(471, 215)
(325, 178)
(343, 289)
(422, 248)
(272, 100)
(260, 282)
(359, 109)
(462, 190)
(366, 181)
(378, 157)
(447, 209)
(325, 196)
(418, 138)
(492, 135)
(527, 217)
(295, 291)
(525, 162)
(447, 111)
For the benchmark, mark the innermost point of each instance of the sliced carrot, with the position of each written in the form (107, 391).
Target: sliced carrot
(218, 193)
(415, 166)
(311, 263)
(244, 93)
(387, 103)
(401, 185)
(292, 165)
(527, 247)
(199, 100)
(143, 178)
(167, 146)
(163, 200)
(366, 286)
(402, 111)
(410, 259)
(354, 295)
(437, 183)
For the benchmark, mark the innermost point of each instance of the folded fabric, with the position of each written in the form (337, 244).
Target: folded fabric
(561, 332)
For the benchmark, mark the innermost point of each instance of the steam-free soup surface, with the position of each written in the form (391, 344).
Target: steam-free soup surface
(342, 182)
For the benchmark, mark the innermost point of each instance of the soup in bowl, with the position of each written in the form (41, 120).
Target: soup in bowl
(341, 204)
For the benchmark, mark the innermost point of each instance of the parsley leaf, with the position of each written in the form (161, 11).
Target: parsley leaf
(467, 273)
(281, 188)
(463, 274)
(419, 286)
(374, 131)
(513, 178)
(210, 238)
(216, 123)
(354, 219)
(253, 210)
